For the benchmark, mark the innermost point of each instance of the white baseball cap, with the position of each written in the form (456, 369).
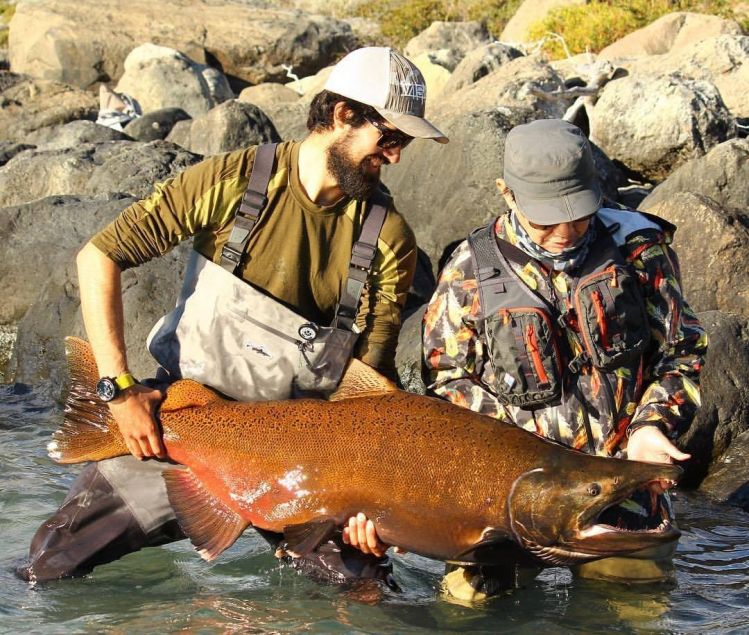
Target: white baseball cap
(384, 79)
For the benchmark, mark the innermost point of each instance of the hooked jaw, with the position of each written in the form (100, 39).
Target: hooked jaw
(589, 524)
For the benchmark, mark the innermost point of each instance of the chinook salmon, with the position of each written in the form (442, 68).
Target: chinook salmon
(436, 479)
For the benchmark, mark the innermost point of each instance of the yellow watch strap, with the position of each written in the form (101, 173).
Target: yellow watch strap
(124, 381)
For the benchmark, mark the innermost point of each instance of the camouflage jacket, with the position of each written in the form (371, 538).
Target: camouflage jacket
(664, 392)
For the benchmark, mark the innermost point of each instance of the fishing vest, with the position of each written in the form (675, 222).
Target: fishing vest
(524, 332)
(227, 334)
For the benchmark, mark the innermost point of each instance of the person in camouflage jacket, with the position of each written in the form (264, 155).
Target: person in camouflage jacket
(634, 411)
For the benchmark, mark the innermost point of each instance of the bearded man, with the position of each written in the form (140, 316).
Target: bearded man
(296, 243)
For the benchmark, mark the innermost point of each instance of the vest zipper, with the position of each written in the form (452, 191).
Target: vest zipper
(536, 355)
(601, 318)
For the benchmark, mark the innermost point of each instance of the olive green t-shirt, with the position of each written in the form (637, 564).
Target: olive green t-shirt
(298, 252)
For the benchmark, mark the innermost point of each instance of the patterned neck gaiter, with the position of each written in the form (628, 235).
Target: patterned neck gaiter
(565, 260)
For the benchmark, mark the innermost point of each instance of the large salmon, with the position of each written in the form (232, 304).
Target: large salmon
(436, 479)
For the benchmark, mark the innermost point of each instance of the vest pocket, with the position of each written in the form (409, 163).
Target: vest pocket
(524, 354)
(612, 317)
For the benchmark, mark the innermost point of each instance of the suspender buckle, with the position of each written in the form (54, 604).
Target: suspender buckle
(578, 362)
(256, 200)
(363, 250)
(231, 254)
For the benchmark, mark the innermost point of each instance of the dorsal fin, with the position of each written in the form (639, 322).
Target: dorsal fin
(361, 380)
(187, 393)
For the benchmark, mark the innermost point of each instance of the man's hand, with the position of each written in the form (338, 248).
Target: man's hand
(360, 533)
(648, 443)
(134, 414)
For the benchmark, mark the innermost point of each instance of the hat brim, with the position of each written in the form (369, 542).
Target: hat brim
(413, 126)
(562, 209)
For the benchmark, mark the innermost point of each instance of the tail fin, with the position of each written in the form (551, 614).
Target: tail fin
(88, 432)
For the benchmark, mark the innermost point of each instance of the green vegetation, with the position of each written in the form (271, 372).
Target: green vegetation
(7, 9)
(593, 26)
(400, 20)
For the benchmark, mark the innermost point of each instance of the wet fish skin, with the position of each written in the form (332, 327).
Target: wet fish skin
(436, 479)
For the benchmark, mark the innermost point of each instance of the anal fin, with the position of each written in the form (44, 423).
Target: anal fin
(301, 539)
(207, 521)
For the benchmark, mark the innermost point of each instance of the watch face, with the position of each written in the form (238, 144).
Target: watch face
(106, 389)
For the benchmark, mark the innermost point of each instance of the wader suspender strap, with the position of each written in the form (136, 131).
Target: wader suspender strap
(253, 202)
(362, 257)
(499, 286)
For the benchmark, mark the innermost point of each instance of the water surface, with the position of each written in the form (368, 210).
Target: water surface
(171, 589)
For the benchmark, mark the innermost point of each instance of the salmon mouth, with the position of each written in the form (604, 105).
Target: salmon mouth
(637, 519)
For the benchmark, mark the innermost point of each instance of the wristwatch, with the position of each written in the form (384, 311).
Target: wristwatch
(108, 388)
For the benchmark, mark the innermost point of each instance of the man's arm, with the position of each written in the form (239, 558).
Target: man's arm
(453, 350)
(101, 305)
(673, 362)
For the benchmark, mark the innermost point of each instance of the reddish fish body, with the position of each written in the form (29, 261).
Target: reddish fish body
(436, 479)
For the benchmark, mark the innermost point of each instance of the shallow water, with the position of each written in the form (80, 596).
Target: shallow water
(170, 589)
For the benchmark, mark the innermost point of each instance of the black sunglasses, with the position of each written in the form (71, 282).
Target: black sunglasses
(390, 138)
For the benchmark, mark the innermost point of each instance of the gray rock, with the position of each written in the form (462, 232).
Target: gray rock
(61, 226)
(28, 104)
(180, 133)
(528, 14)
(155, 125)
(9, 149)
(266, 96)
(724, 383)
(728, 480)
(159, 77)
(290, 120)
(516, 84)
(231, 126)
(654, 125)
(91, 170)
(448, 42)
(73, 134)
(671, 32)
(722, 174)
(408, 354)
(713, 248)
(479, 63)
(444, 191)
(80, 43)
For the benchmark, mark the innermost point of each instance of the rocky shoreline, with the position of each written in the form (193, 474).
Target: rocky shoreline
(665, 108)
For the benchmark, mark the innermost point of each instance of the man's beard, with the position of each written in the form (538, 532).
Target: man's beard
(352, 178)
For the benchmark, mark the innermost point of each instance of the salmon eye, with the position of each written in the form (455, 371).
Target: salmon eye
(594, 489)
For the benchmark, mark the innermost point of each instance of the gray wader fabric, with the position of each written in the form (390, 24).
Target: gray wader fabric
(234, 338)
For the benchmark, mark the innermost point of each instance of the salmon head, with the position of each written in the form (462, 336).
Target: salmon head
(562, 512)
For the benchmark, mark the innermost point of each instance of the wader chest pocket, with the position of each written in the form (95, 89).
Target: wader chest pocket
(525, 356)
(612, 317)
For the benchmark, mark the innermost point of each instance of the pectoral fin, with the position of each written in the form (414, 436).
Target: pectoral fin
(492, 544)
(207, 521)
(301, 539)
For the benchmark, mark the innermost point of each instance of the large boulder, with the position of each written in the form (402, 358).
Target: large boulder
(713, 248)
(436, 76)
(519, 83)
(528, 14)
(408, 354)
(230, 126)
(722, 175)
(671, 32)
(87, 41)
(160, 77)
(444, 191)
(28, 104)
(722, 60)
(448, 42)
(72, 134)
(728, 480)
(266, 96)
(156, 124)
(724, 384)
(59, 227)
(479, 63)
(653, 125)
(93, 169)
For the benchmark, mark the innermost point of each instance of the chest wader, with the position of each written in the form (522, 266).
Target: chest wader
(230, 336)
(525, 332)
